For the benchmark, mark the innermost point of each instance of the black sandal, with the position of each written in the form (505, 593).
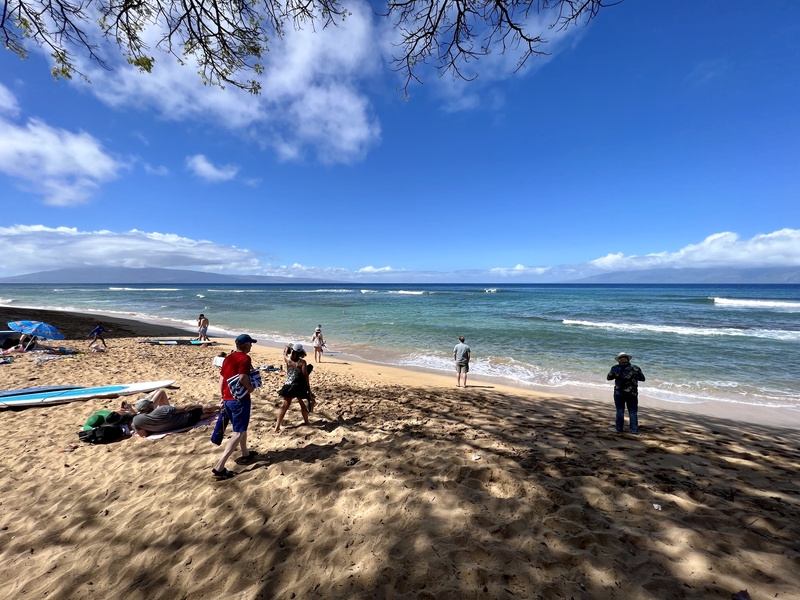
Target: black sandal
(246, 460)
(224, 474)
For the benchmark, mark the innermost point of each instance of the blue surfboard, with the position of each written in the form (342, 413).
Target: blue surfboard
(62, 396)
(36, 390)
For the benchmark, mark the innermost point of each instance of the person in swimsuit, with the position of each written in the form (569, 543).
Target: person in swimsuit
(319, 345)
(202, 328)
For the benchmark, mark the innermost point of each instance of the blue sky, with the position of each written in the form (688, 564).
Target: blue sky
(660, 135)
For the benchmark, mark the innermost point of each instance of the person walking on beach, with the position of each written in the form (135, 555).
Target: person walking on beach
(296, 386)
(626, 391)
(236, 411)
(97, 335)
(461, 354)
(202, 328)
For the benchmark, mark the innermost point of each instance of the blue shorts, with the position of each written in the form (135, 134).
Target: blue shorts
(238, 413)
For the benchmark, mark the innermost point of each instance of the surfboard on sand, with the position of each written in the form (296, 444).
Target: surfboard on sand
(62, 396)
(180, 342)
(36, 390)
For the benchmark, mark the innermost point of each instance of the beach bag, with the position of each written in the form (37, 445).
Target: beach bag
(105, 434)
(238, 391)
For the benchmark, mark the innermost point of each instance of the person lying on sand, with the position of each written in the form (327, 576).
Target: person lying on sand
(156, 415)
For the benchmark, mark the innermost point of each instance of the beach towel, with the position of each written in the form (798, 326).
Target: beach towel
(238, 391)
(163, 434)
(219, 428)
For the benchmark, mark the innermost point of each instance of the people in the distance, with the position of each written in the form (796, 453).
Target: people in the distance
(319, 344)
(97, 336)
(296, 385)
(156, 415)
(461, 354)
(626, 378)
(236, 411)
(202, 328)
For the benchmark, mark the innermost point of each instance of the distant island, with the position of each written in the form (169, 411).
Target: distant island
(767, 275)
(120, 275)
(127, 275)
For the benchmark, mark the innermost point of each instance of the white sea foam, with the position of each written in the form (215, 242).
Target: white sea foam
(369, 291)
(409, 292)
(507, 369)
(490, 290)
(550, 379)
(6, 300)
(742, 303)
(237, 291)
(772, 334)
(200, 296)
(130, 289)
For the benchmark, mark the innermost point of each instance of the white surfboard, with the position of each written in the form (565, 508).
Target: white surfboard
(62, 396)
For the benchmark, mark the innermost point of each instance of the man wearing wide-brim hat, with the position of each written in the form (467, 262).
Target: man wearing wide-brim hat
(626, 391)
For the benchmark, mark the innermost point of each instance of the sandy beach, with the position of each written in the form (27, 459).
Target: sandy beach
(403, 487)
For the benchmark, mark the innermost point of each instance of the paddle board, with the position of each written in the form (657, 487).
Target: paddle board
(35, 390)
(61, 396)
(166, 342)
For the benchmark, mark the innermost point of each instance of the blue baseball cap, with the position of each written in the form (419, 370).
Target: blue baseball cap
(245, 339)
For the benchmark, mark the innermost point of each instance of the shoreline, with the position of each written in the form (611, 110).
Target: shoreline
(779, 417)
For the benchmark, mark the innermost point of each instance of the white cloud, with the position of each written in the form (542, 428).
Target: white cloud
(29, 248)
(8, 102)
(310, 98)
(519, 270)
(159, 170)
(780, 248)
(202, 167)
(63, 167)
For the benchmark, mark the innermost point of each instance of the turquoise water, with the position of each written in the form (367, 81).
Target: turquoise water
(735, 343)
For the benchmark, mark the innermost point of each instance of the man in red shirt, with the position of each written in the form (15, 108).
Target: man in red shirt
(236, 411)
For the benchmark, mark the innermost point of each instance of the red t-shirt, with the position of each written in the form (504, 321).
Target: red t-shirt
(236, 363)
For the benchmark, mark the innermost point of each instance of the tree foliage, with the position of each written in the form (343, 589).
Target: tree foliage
(229, 38)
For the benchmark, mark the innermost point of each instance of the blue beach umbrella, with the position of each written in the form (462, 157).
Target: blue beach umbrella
(37, 328)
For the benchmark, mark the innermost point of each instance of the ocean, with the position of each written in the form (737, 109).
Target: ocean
(729, 343)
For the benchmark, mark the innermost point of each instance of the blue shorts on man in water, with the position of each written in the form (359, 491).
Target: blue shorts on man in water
(238, 413)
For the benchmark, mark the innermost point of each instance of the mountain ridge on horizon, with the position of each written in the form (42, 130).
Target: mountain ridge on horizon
(157, 275)
(709, 275)
(120, 275)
